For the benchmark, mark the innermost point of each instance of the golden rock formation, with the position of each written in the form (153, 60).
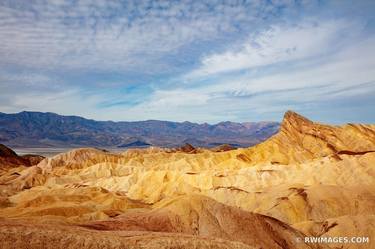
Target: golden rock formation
(309, 179)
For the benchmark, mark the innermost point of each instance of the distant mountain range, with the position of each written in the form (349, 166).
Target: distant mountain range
(37, 129)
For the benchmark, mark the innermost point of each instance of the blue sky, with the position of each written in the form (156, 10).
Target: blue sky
(202, 61)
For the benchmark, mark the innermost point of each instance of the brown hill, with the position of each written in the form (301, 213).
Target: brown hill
(56, 235)
(9, 158)
(202, 216)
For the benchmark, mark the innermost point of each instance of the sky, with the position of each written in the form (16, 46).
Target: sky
(200, 61)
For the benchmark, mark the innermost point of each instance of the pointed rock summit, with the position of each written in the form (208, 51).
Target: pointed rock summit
(291, 117)
(301, 139)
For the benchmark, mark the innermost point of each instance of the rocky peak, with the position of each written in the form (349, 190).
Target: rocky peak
(294, 121)
(293, 117)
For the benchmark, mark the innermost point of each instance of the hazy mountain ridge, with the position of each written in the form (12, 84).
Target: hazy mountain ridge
(37, 129)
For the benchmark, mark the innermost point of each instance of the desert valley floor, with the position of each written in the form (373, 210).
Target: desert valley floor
(309, 179)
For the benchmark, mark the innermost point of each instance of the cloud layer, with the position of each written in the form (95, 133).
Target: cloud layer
(204, 61)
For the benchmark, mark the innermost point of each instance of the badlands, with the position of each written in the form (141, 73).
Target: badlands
(309, 179)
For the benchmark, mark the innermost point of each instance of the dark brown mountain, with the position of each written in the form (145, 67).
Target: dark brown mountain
(9, 158)
(37, 129)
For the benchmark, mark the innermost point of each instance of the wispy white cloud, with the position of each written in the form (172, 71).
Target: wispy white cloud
(324, 69)
(280, 44)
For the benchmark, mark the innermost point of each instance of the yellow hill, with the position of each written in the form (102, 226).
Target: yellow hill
(306, 175)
